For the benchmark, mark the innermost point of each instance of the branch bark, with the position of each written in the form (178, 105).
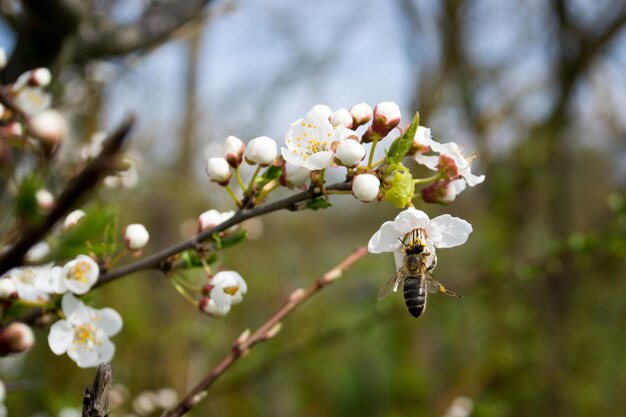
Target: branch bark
(96, 400)
(265, 332)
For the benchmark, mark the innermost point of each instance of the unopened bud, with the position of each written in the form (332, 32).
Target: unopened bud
(296, 295)
(218, 170)
(319, 110)
(12, 130)
(49, 127)
(341, 117)
(136, 237)
(361, 113)
(386, 117)
(442, 191)
(233, 151)
(15, 338)
(3, 58)
(37, 252)
(243, 337)
(45, 200)
(365, 187)
(261, 150)
(350, 152)
(274, 330)
(40, 77)
(332, 275)
(73, 218)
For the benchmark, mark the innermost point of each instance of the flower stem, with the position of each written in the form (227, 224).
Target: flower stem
(371, 158)
(380, 161)
(239, 180)
(232, 195)
(338, 192)
(269, 187)
(321, 177)
(251, 184)
(428, 179)
(183, 292)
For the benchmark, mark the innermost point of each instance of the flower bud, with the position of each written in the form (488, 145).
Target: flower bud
(211, 218)
(45, 200)
(3, 58)
(319, 110)
(73, 218)
(261, 150)
(136, 236)
(341, 117)
(209, 306)
(49, 127)
(15, 338)
(447, 168)
(361, 113)
(294, 175)
(7, 289)
(442, 191)
(365, 187)
(233, 150)
(37, 252)
(386, 117)
(350, 152)
(219, 170)
(40, 77)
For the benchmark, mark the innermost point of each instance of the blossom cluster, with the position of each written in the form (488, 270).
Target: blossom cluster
(325, 139)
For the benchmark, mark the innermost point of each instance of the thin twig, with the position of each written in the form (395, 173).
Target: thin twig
(81, 184)
(154, 261)
(265, 332)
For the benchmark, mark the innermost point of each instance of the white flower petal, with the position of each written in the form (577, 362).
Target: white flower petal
(109, 321)
(319, 160)
(446, 231)
(60, 337)
(385, 239)
(106, 351)
(471, 179)
(85, 357)
(69, 304)
(429, 161)
(216, 309)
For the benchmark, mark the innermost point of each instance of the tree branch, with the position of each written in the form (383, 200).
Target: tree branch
(96, 400)
(265, 332)
(85, 181)
(155, 260)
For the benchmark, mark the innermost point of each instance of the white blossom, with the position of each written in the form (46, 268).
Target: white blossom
(233, 150)
(452, 151)
(45, 199)
(365, 187)
(37, 252)
(34, 283)
(136, 236)
(296, 175)
(211, 218)
(7, 288)
(261, 150)
(443, 231)
(350, 152)
(84, 334)
(227, 289)
(40, 77)
(73, 218)
(218, 170)
(309, 141)
(341, 117)
(49, 126)
(388, 113)
(320, 110)
(80, 274)
(31, 100)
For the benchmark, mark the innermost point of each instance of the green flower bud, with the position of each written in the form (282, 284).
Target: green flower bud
(398, 185)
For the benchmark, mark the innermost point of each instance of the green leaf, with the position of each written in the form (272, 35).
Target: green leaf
(318, 203)
(88, 235)
(26, 205)
(270, 174)
(232, 239)
(401, 146)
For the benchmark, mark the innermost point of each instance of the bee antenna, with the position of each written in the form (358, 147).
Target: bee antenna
(403, 243)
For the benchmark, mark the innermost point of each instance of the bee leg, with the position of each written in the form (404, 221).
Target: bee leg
(448, 292)
(433, 264)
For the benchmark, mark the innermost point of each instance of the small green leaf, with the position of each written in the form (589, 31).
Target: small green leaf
(233, 239)
(318, 203)
(270, 174)
(26, 205)
(88, 235)
(401, 146)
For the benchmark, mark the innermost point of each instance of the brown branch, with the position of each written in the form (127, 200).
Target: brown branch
(155, 260)
(80, 185)
(265, 332)
(96, 400)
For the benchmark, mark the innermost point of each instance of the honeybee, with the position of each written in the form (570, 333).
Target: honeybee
(415, 275)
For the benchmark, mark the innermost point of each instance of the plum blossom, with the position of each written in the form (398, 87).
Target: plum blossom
(365, 187)
(34, 283)
(80, 274)
(218, 170)
(261, 150)
(136, 236)
(211, 218)
(295, 175)
(361, 113)
(227, 289)
(84, 333)
(443, 191)
(448, 157)
(309, 141)
(350, 152)
(341, 117)
(443, 231)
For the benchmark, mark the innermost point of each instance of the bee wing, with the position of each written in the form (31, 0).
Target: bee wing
(433, 286)
(392, 285)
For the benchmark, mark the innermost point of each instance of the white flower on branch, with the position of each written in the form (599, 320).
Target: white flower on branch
(233, 150)
(227, 289)
(341, 117)
(80, 274)
(361, 113)
(84, 334)
(365, 187)
(386, 117)
(211, 218)
(34, 284)
(37, 252)
(218, 170)
(443, 231)
(295, 175)
(49, 126)
(261, 150)
(136, 236)
(350, 152)
(320, 110)
(73, 218)
(309, 141)
(45, 199)
(31, 100)
(16, 338)
(449, 160)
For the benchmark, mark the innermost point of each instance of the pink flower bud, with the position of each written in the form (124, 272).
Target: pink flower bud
(442, 191)
(218, 170)
(233, 151)
(40, 77)
(136, 237)
(341, 117)
(361, 113)
(49, 127)
(365, 187)
(15, 338)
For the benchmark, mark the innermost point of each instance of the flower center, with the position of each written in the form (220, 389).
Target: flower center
(231, 290)
(85, 334)
(79, 271)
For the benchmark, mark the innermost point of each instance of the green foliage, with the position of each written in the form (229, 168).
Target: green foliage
(270, 174)
(400, 147)
(231, 239)
(96, 232)
(26, 206)
(318, 203)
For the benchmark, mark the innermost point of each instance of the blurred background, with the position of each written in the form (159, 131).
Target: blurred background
(537, 88)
